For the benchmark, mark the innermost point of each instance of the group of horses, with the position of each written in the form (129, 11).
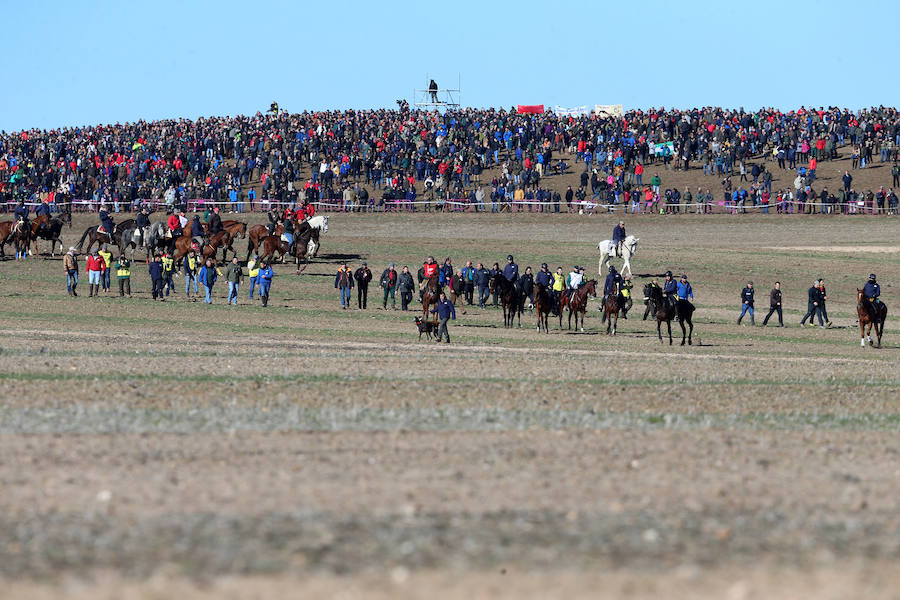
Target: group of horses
(29, 233)
(269, 248)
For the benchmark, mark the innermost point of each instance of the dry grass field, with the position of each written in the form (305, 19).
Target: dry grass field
(175, 449)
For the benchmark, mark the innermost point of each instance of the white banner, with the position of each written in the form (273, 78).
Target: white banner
(576, 111)
(609, 110)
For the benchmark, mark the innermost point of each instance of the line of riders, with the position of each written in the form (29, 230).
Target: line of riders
(175, 223)
(463, 283)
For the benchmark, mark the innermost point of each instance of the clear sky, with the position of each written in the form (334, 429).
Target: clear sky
(76, 63)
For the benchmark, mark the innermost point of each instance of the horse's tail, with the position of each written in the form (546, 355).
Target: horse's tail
(83, 236)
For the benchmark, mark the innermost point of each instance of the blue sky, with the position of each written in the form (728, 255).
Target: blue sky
(76, 63)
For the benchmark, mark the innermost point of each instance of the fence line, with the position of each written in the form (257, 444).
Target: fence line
(464, 205)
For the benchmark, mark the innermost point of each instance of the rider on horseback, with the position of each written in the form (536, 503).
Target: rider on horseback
(511, 270)
(618, 238)
(288, 234)
(670, 289)
(871, 293)
(198, 236)
(545, 278)
(21, 215)
(429, 270)
(106, 223)
(574, 280)
(142, 222)
(612, 286)
(42, 210)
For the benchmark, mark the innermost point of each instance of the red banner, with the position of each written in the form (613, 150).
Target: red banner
(530, 109)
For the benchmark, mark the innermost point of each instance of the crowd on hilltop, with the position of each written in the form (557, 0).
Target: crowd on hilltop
(418, 156)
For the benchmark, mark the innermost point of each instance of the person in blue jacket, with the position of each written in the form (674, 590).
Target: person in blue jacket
(511, 270)
(265, 282)
(670, 289)
(685, 291)
(871, 292)
(208, 278)
(445, 312)
(618, 236)
(747, 303)
(445, 273)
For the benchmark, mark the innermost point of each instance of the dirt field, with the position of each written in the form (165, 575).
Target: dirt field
(182, 450)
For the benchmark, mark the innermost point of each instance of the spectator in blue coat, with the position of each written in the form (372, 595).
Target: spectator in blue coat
(265, 282)
(445, 312)
(208, 278)
(445, 274)
(685, 291)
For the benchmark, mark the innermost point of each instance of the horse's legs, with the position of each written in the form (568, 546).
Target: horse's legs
(615, 324)
(669, 326)
(690, 332)
(659, 329)
(683, 330)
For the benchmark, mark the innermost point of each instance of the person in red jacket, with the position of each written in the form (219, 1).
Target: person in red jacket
(95, 268)
(174, 232)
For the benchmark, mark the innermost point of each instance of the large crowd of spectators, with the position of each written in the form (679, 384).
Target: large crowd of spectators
(490, 159)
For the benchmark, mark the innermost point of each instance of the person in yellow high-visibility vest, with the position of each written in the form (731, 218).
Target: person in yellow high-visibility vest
(106, 256)
(168, 269)
(626, 293)
(253, 272)
(559, 286)
(191, 264)
(123, 274)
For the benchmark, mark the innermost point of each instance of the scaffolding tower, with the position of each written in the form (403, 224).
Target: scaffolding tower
(437, 99)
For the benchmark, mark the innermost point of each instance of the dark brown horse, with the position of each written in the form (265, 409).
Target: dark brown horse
(42, 227)
(663, 310)
(577, 302)
(611, 307)
(221, 240)
(20, 236)
(272, 244)
(870, 315)
(510, 298)
(237, 229)
(543, 304)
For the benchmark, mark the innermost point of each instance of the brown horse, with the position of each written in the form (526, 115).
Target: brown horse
(5, 235)
(431, 292)
(611, 307)
(457, 290)
(871, 315)
(21, 236)
(271, 244)
(577, 302)
(543, 304)
(50, 231)
(237, 229)
(256, 234)
(220, 240)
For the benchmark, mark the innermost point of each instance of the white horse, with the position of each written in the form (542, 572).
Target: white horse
(608, 250)
(319, 222)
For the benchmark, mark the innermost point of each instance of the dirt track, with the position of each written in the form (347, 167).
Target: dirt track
(177, 449)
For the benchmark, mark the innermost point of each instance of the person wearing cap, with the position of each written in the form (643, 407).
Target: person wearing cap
(94, 270)
(445, 273)
(618, 237)
(343, 283)
(468, 279)
(191, 264)
(388, 283)
(812, 307)
(544, 277)
(871, 294)
(215, 223)
(156, 277)
(362, 276)
(627, 285)
(106, 222)
(747, 303)
(511, 270)
(684, 291)
(495, 270)
(123, 275)
(106, 255)
(70, 265)
(775, 305)
(168, 267)
(670, 289)
(575, 278)
(198, 236)
(142, 222)
(406, 286)
(265, 282)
